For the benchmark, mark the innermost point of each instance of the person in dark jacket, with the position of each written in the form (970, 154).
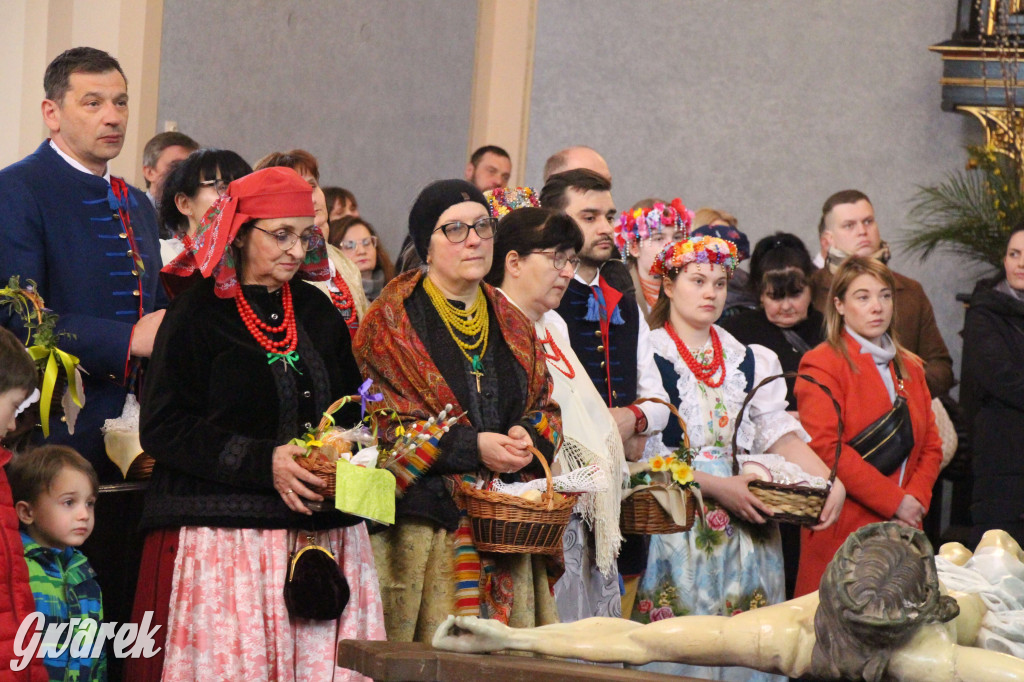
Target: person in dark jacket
(442, 339)
(784, 321)
(992, 395)
(247, 360)
(87, 241)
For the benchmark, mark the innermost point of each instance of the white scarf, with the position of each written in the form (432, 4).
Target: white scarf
(882, 353)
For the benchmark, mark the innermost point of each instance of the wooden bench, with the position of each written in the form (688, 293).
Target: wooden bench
(417, 662)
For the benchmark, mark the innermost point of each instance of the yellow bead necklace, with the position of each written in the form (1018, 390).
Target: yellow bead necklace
(473, 322)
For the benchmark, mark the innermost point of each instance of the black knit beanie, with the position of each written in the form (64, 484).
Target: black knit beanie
(435, 199)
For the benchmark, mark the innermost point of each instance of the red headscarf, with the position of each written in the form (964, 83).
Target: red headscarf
(269, 193)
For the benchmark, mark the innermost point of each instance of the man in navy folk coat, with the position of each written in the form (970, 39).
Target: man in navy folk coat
(88, 240)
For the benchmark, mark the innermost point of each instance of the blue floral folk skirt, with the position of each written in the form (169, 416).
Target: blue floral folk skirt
(719, 568)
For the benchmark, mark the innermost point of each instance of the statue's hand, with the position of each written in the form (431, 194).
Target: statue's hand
(471, 635)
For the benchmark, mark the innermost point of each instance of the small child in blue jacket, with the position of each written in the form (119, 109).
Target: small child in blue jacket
(54, 491)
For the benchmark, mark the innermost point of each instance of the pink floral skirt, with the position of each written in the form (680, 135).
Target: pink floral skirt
(228, 620)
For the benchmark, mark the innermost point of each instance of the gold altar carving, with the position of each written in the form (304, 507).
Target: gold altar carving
(1003, 127)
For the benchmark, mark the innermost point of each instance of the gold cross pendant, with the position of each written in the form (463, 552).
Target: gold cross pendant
(477, 375)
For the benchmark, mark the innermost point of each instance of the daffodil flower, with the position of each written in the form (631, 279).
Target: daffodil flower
(682, 473)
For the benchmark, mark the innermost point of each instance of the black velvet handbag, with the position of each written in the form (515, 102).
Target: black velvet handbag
(315, 587)
(887, 442)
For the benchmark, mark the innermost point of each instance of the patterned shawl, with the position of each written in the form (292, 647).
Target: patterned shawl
(389, 351)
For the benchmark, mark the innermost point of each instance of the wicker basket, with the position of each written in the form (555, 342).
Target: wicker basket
(641, 514)
(318, 462)
(797, 504)
(509, 524)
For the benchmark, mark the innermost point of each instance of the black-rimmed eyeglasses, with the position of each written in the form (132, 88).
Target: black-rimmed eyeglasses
(457, 231)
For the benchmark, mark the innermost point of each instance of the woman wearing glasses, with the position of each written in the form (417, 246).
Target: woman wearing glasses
(443, 338)
(345, 286)
(358, 240)
(246, 360)
(190, 190)
(534, 261)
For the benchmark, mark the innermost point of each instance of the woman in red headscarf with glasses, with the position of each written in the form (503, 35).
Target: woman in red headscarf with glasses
(245, 361)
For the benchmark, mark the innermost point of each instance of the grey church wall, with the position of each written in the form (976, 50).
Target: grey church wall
(378, 91)
(759, 108)
(762, 109)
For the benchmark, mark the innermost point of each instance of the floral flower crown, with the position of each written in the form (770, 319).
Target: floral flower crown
(645, 223)
(504, 200)
(700, 250)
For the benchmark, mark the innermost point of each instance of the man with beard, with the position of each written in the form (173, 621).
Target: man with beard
(489, 167)
(608, 332)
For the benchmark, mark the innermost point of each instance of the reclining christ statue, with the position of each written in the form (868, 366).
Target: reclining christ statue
(880, 614)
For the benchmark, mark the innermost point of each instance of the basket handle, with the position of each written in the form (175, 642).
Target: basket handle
(549, 494)
(326, 421)
(673, 410)
(790, 375)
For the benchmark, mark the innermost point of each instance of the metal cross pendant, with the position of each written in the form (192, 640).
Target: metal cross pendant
(477, 370)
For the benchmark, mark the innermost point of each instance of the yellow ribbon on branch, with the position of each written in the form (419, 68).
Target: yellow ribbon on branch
(54, 356)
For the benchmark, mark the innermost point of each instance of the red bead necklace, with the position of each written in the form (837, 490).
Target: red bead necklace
(283, 349)
(344, 301)
(557, 357)
(703, 372)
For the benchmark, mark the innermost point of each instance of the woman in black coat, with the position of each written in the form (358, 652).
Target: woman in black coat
(784, 321)
(992, 395)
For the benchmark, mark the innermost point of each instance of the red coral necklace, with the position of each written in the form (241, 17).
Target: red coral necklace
(703, 372)
(557, 356)
(344, 301)
(283, 349)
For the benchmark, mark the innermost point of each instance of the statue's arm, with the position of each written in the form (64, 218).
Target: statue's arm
(603, 640)
(978, 665)
(775, 638)
(932, 656)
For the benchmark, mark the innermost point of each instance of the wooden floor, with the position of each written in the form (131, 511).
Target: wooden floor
(415, 662)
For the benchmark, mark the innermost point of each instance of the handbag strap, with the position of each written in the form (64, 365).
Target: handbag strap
(899, 376)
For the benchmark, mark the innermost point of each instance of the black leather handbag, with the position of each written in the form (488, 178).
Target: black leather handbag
(887, 442)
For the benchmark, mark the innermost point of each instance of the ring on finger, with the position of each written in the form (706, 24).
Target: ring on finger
(289, 491)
